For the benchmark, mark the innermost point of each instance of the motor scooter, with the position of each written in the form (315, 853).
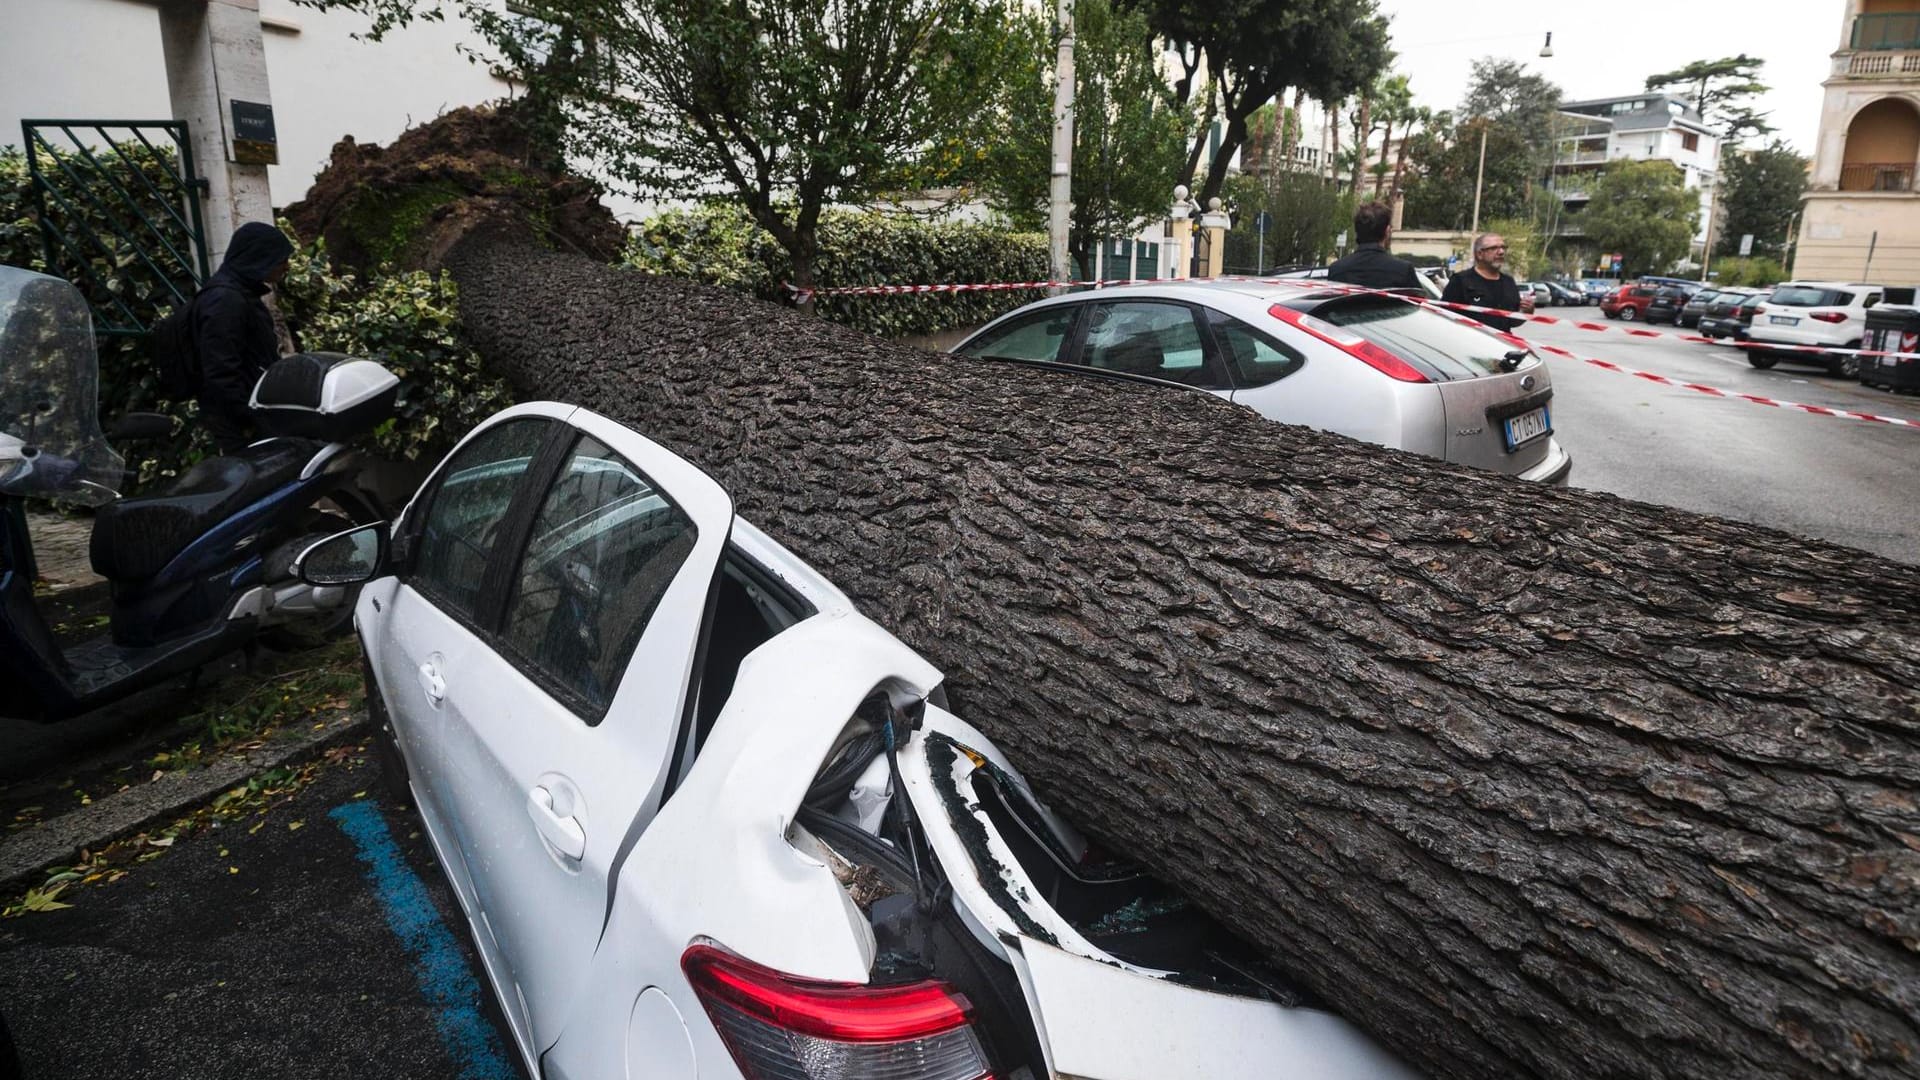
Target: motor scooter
(204, 567)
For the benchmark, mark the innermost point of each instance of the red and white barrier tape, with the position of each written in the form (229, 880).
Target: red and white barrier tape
(1714, 391)
(801, 295)
(1910, 342)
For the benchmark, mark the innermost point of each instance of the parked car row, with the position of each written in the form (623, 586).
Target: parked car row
(1554, 294)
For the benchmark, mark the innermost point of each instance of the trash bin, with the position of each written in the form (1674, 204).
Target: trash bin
(1892, 328)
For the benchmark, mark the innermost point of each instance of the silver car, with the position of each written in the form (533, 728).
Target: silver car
(1365, 365)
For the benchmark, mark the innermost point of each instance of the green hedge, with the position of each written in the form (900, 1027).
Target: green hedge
(720, 245)
(405, 320)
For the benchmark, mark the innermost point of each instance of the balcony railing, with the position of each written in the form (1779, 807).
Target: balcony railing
(1886, 32)
(1876, 65)
(1877, 176)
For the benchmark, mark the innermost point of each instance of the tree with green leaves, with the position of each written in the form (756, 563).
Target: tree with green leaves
(1760, 192)
(1237, 55)
(1643, 210)
(1392, 104)
(1129, 132)
(785, 105)
(1505, 93)
(1722, 92)
(1304, 215)
(1448, 155)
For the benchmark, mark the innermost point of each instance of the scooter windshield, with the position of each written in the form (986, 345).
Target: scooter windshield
(51, 445)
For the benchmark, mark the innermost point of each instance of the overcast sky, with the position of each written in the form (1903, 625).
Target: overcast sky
(1608, 49)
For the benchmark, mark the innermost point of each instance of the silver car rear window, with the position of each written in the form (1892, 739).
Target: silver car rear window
(1434, 343)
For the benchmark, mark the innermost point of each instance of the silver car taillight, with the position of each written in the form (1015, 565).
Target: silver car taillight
(779, 1027)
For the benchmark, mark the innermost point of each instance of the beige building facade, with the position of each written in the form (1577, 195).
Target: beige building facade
(1861, 217)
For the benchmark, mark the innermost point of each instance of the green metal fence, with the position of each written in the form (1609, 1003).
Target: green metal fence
(118, 205)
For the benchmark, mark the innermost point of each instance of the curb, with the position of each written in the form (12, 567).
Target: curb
(57, 842)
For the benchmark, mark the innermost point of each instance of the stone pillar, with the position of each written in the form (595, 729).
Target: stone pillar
(214, 58)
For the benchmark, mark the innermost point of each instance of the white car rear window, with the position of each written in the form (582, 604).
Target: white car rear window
(1803, 296)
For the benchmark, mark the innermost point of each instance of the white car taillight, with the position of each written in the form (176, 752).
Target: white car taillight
(782, 1028)
(1830, 316)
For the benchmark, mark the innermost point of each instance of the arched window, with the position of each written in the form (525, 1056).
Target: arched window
(1882, 144)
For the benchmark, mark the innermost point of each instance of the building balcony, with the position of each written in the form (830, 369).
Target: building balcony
(1877, 65)
(1877, 176)
(1883, 33)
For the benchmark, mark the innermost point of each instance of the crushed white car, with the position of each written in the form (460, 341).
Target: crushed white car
(707, 820)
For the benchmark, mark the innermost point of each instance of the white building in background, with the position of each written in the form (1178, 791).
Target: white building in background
(103, 60)
(1643, 127)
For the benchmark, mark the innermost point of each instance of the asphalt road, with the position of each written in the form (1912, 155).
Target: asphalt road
(1846, 481)
(330, 950)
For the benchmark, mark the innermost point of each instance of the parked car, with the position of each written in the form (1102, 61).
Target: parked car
(704, 819)
(1827, 313)
(1598, 289)
(1666, 304)
(1628, 302)
(1567, 295)
(1542, 296)
(1730, 311)
(1373, 367)
(1696, 306)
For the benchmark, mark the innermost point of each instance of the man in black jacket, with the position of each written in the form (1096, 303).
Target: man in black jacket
(1370, 265)
(233, 331)
(1485, 285)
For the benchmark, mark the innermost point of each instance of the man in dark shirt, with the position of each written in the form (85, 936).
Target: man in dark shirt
(233, 331)
(1370, 265)
(1484, 284)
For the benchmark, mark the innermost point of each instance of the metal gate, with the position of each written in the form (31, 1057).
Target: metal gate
(118, 204)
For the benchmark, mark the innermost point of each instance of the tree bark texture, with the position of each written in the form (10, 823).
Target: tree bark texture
(1527, 782)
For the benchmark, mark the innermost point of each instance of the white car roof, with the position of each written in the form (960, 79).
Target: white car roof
(1828, 285)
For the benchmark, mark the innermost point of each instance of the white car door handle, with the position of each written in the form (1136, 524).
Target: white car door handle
(432, 684)
(564, 833)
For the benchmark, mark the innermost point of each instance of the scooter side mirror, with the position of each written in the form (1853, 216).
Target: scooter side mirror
(348, 558)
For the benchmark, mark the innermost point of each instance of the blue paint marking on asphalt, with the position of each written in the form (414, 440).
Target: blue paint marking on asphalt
(438, 963)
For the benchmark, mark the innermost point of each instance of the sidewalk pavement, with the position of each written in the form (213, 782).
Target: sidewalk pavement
(58, 841)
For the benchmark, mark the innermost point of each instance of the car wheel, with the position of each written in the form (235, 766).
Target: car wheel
(1629, 314)
(1610, 314)
(1846, 367)
(1763, 361)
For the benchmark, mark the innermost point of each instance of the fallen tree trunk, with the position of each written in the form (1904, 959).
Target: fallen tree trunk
(1524, 781)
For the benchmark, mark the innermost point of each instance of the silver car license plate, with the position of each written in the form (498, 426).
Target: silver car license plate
(1526, 427)
(1783, 320)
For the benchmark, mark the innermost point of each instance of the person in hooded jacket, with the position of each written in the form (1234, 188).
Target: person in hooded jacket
(233, 331)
